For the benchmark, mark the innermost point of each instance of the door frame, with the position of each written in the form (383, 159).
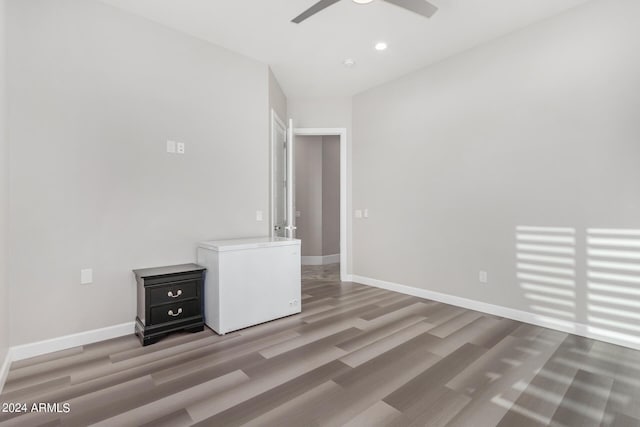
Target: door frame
(344, 179)
(275, 120)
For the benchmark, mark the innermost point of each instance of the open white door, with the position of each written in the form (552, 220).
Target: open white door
(282, 215)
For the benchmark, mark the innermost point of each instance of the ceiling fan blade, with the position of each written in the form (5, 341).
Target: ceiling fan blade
(322, 4)
(421, 7)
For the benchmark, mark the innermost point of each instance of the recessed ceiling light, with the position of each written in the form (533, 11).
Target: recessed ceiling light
(349, 62)
(381, 46)
(362, 1)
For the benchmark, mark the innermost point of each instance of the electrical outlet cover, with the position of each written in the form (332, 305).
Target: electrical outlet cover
(171, 146)
(483, 277)
(86, 276)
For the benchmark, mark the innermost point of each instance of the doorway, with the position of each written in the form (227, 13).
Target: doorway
(323, 214)
(282, 185)
(317, 198)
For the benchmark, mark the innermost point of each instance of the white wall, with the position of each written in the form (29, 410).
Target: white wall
(4, 197)
(330, 195)
(320, 112)
(538, 128)
(95, 93)
(277, 98)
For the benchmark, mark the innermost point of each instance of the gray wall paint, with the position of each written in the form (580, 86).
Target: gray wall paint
(538, 128)
(4, 196)
(95, 93)
(317, 198)
(308, 197)
(330, 195)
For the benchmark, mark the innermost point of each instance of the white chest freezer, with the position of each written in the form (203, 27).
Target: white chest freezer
(250, 281)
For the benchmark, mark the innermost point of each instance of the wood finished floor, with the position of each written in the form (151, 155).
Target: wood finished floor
(356, 356)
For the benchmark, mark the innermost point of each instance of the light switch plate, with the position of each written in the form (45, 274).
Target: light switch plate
(259, 216)
(86, 276)
(358, 213)
(171, 146)
(365, 213)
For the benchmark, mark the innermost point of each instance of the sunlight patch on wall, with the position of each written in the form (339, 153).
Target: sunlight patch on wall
(613, 283)
(546, 272)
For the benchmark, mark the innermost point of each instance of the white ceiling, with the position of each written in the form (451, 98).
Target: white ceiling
(307, 58)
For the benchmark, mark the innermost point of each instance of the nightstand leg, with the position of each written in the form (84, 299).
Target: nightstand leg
(195, 329)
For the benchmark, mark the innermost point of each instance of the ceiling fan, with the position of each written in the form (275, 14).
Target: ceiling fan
(421, 7)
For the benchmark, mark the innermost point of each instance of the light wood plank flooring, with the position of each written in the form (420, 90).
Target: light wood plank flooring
(356, 356)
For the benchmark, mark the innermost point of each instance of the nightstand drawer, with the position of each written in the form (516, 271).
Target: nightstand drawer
(177, 311)
(174, 292)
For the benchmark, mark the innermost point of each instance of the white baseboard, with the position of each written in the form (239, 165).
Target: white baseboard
(4, 368)
(501, 311)
(321, 260)
(39, 348)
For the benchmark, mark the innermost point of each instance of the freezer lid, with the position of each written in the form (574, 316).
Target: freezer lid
(250, 243)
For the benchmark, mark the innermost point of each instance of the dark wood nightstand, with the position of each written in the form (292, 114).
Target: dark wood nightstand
(170, 299)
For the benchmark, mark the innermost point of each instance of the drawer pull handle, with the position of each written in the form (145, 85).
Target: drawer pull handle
(171, 295)
(176, 314)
